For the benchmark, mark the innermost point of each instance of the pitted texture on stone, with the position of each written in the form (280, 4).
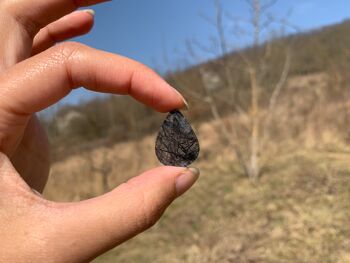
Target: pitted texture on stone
(177, 144)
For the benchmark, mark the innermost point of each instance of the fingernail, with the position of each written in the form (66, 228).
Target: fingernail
(90, 11)
(186, 180)
(36, 192)
(185, 106)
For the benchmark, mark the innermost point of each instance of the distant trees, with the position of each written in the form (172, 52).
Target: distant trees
(102, 121)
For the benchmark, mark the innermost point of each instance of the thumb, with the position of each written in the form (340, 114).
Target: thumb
(89, 228)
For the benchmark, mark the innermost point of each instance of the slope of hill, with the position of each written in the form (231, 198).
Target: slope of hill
(298, 212)
(103, 121)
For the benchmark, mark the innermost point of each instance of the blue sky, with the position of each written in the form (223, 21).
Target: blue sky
(154, 32)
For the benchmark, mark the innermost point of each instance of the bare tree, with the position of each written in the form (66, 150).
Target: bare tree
(257, 71)
(246, 139)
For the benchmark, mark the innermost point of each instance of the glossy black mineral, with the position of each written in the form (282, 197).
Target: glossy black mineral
(176, 144)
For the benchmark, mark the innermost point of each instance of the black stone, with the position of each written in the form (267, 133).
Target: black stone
(176, 144)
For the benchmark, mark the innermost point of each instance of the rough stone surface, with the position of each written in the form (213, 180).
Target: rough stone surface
(176, 144)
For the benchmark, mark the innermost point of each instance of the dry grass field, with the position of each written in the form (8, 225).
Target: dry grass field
(298, 211)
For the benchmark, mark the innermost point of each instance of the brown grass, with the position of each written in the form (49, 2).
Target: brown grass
(299, 211)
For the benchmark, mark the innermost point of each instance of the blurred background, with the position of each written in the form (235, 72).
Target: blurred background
(268, 86)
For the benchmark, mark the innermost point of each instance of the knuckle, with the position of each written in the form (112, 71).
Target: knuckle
(144, 71)
(151, 212)
(67, 55)
(67, 50)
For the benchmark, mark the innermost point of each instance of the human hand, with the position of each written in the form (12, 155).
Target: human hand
(35, 75)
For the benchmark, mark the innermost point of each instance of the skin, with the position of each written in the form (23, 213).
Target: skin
(34, 74)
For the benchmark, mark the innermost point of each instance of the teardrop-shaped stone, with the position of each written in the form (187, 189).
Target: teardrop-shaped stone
(176, 144)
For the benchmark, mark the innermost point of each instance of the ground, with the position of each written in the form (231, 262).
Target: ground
(297, 213)
(298, 210)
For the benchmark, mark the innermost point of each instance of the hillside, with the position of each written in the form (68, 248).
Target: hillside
(103, 120)
(297, 210)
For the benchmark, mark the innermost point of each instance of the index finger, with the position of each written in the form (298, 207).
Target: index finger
(33, 15)
(21, 20)
(40, 81)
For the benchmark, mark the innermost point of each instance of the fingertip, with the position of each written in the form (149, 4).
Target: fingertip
(88, 18)
(84, 19)
(171, 100)
(90, 12)
(178, 101)
(168, 177)
(184, 103)
(185, 181)
(151, 89)
(162, 173)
